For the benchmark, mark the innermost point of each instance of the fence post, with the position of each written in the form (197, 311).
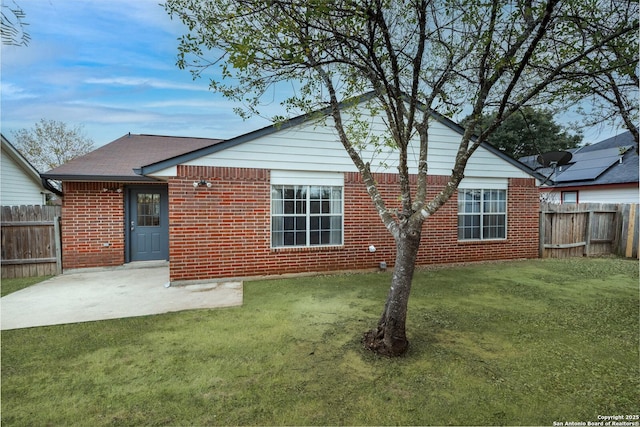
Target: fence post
(58, 240)
(587, 237)
(631, 231)
(543, 233)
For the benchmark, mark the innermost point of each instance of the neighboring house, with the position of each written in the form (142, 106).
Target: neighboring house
(605, 172)
(20, 182)
(282, 199)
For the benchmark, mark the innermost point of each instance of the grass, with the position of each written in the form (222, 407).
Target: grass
(520, 343)
(8, 286)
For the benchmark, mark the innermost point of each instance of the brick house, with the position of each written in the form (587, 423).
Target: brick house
(282, 199)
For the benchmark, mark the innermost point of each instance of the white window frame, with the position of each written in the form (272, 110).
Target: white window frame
(481, 214)
(304, 179)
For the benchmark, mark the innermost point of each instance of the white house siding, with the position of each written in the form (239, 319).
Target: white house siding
(311, 147)
(279, 177)
(16, 187)
(599, 195)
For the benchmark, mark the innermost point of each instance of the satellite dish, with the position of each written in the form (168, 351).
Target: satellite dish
(554, 158)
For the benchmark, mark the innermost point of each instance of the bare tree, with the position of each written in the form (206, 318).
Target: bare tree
(51, 143)
(416, 56)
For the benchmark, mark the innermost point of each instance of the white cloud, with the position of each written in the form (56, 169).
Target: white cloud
(192, 103)
(11, 92)
(146, 82)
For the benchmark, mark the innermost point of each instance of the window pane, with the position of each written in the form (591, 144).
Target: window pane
(326, 237)
(314, 192)
(336, 230)
(289, 239)
(469, 201)
(335, 237)
(148, 206)
(277, 207)
(288, 193)
(468, 227)
(277, 234)
(301, 193)
(569, 197)
(301, 223)
(336, 193)
(289, 207)
(494, 201)
(288, 222)
(277, 192)
(314, 223)
(494, 227)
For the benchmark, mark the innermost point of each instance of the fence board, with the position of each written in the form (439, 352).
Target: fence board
(588, 229)
(29, 241)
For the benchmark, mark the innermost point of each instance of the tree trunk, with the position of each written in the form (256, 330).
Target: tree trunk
(389, 337)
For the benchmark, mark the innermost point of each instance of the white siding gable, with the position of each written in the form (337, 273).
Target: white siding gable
(316, 147)
(16, 187)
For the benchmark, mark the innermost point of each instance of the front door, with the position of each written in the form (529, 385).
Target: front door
(148, 223)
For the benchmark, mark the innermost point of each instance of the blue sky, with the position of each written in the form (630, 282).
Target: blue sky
(109, 66)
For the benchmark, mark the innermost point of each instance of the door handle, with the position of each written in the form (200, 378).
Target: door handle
(133, 225)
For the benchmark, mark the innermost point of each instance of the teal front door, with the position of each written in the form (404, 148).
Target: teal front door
(148, 223)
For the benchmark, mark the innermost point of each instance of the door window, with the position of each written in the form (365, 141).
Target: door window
(148, 210)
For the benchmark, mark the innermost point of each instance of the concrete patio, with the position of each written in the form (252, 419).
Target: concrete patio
(137, 289)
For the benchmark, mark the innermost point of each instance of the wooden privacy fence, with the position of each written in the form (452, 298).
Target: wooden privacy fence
(30, 241)
(588, 229)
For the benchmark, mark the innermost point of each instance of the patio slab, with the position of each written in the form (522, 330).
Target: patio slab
(99, 294)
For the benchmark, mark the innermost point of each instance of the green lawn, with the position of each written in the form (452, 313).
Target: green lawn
(520, 343)
(8, 286)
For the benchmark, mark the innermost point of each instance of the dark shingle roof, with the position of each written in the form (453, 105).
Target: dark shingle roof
(622, 140)
(622, 169)
(117, 160)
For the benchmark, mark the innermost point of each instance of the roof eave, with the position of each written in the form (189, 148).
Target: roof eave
(98, 178)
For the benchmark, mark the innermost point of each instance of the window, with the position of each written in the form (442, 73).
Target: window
(482, 214)
(306, 215)
(148, 210)
(569, 197)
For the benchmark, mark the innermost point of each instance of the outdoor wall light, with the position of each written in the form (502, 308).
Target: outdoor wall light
(372, 249)
(201, 183)
(112, 190)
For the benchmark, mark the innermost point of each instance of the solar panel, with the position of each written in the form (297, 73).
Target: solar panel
(590, 165)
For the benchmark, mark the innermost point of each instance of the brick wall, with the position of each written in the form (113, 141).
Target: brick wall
(439, 238)
(92, 218)
(224, 231)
